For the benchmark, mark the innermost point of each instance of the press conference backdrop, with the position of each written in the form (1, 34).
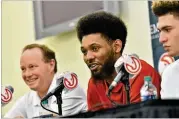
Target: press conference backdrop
(157, 48)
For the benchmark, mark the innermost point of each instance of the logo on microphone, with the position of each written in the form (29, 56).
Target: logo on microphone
(164, 61)
(134, 66)
(70, 80)
(6, 96)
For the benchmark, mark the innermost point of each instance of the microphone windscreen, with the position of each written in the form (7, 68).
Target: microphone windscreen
(10, 88)
(133, 54)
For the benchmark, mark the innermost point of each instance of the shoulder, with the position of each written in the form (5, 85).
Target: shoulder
(91, 82)
(20, 107)
(172, 71)
(173, 67)
(147, 69)
(28, 97)
(146, 66)
(170, 81)
(91, 86)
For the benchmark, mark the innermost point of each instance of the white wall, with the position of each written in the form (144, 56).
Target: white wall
(18, 30)
(136, 16)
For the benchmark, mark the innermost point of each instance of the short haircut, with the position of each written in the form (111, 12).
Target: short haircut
(161, 8)
(107, 24)
(48, 54)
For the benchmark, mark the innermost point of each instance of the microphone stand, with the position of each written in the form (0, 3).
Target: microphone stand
(125, 81)
(58, 95)
(59, 102)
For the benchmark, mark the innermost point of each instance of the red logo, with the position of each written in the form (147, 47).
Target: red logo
(70, 80)
(134, 67)
(6, 96)
(166, 59)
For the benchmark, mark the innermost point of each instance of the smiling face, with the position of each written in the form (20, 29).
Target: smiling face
(37, 73)
(168, 26)
(99, 55)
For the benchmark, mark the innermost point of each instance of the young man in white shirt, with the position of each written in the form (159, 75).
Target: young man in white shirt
(168, 26)
(39, 72)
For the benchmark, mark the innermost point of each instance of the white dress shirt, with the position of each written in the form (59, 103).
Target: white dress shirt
(170, 82)
(28, 106)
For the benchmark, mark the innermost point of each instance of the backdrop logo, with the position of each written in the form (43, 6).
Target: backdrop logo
(6, 96)
(134, 67)
(164, 61)
(70, 80)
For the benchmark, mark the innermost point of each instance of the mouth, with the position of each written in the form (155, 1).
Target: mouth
(31, 81)
(93, 67)
(166, 48)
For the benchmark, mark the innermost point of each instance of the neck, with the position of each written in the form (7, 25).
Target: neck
(111, 78)
(44, 89)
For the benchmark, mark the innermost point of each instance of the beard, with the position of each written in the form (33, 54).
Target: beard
(107, 69)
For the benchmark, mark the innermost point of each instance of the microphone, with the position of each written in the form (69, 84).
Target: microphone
(126, 64)
(54, 91)
(67, 80)
(115, 81)
(6, 94)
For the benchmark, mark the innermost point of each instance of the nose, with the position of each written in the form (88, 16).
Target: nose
(27, 73)
(89, 56)
(162, 38)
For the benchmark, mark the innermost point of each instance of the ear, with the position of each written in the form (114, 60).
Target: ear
(52, 65)
(117, 45)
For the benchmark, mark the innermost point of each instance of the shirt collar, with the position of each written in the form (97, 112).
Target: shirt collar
(116, 89)
(36, 98)
(105, 84)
